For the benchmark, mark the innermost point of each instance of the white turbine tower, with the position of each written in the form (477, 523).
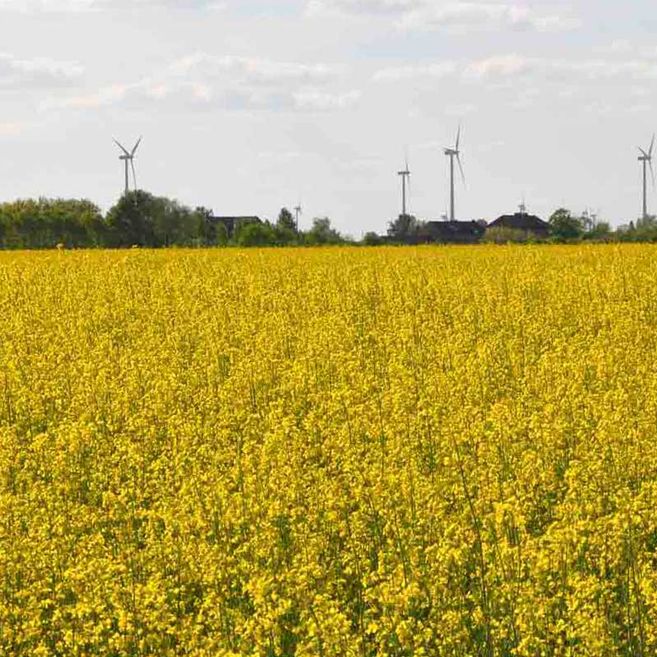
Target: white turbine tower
(128, 158)
(646, 161)
(452, 154)
(406, 178)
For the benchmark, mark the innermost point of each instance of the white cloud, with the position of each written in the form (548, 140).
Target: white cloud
(453, 15)
(469, 16)
(514, 65)
(511, 66)
(251, 69)
(34, 6)
(103, 97)
(226, 82)
(359, 6)
(315, 99)
(432, 70)
(21, 74)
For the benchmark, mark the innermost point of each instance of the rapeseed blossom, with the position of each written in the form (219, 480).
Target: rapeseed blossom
(331, 452)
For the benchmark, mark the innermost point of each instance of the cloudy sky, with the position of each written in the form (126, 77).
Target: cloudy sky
(247, 105)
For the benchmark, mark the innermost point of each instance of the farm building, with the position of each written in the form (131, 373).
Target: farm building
(451, 232)
(529, 224)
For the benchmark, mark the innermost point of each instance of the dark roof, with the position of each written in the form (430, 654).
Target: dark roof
(520, 221)
(452, 229)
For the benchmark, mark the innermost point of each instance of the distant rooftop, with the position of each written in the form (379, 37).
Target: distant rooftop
(452, 231)
(521, 221)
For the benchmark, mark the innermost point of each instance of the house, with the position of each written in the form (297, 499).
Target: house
(231, 224)
(451, 232)
(529, 224)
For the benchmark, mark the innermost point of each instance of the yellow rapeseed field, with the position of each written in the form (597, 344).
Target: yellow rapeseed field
(336, 452)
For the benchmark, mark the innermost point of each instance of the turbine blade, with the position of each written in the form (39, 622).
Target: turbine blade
(134, 150)
(458, 138)
(652, 172)
(121, 147)
(652, 146)
(458, 159)
(134, 173)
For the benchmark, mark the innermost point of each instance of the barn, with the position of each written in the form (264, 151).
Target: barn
(529, 224)
(451, 232)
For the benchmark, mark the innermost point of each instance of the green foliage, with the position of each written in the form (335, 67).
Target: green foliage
(45, 223)
(211, 232)
(286, 222)
(644, 230)
(256, 234)
(286, 228)
(131, 221)
(599, 231)
(220, 237)
(372, 239)
(141, 219)
(323, 233)
(403, 228)
(502, 235)
(565, 226)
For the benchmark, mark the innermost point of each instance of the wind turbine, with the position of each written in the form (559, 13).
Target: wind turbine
(453, 153)
(128, 159)
(646, 160)
(298, 210)
(406, 177)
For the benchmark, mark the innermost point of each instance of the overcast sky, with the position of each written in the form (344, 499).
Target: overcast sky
(246, 106)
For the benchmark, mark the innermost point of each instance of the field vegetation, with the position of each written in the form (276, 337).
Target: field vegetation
(329, 452)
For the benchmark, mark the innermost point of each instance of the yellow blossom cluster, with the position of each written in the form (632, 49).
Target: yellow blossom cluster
(339, 452)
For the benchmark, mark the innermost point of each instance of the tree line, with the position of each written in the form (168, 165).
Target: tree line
(142, 219)
(564, 226)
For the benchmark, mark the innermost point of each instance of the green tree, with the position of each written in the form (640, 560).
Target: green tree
(175, 224)
(403, 228)
(44, 223)
(286, 228)
(372, 239)
(211, 232)
(323, 233)
(90, 226)
(286, 221)
(565, 226)
(131, 221)
(256, 234)
(220, 237)
(139, 218)
(599, 230)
